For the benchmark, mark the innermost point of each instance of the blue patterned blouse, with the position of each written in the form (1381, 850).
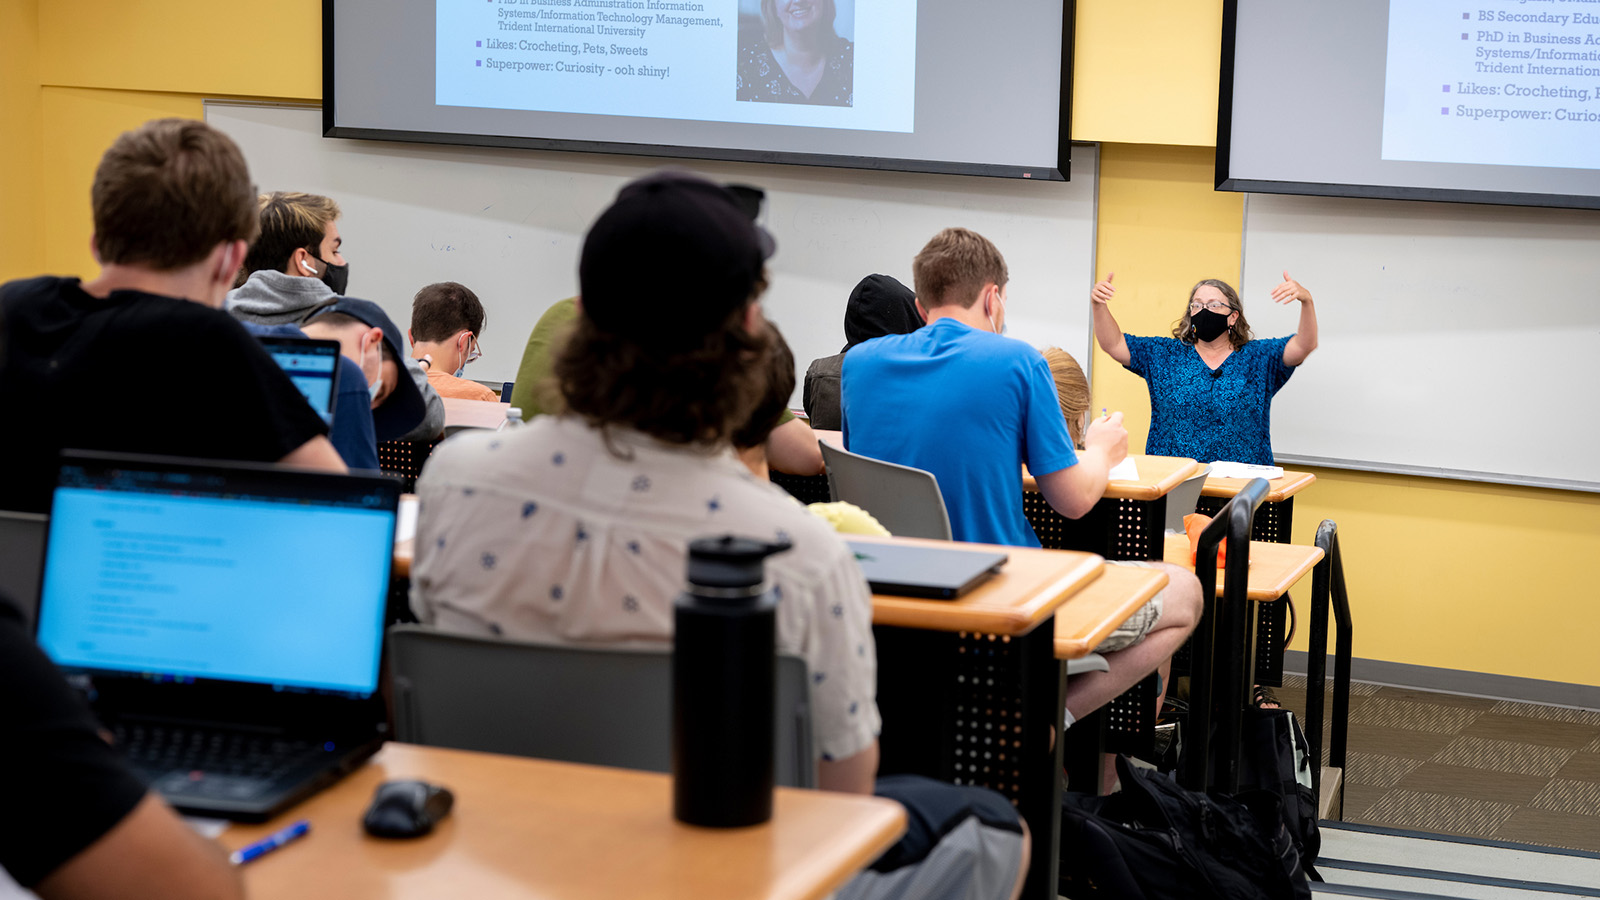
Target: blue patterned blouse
(1207, 414)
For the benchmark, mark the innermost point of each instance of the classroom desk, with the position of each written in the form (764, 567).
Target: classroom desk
(1274, 568)
(1274, 521)
(1097, 610)
(459, 413)
(1128, 521)
(970, 689)
(956, 675)
(537, 828)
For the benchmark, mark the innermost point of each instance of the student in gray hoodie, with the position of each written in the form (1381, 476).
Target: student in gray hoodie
(296, 268)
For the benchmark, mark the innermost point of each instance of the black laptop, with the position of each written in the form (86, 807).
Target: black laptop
(227, 621)
(914, 570)
(312, 365)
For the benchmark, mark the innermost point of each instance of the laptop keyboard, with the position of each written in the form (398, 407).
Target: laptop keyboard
(230, 764)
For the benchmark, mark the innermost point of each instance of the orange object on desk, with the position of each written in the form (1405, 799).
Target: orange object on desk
(1193, 524)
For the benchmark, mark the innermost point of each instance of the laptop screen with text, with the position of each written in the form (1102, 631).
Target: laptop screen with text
(251, 575)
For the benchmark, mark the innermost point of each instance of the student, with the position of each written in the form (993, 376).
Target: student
(173, 214)
(575, 528)
(878, 305)
(750, 439)
(446, 319)
(1147, 640)
(78, 824)
(298, 267)
(1211, 385)
(957, 399)
(365, 332)
(352, 431)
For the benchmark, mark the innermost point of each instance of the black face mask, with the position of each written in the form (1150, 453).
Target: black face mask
(337, 278)
(1208, 325)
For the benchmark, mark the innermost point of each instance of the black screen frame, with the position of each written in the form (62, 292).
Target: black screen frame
(1225, 181)
(1061, 171)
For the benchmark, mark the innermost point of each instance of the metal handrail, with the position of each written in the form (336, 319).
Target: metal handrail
(1225, 629)
(1328, 589)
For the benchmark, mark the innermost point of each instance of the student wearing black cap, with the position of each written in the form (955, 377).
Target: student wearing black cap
(574, 528)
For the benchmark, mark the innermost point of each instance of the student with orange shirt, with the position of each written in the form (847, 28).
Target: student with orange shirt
(446, 319)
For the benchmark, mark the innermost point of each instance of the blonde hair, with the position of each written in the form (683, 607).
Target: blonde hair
(1072, 390)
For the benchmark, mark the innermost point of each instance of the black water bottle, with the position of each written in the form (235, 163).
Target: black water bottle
(724, 670)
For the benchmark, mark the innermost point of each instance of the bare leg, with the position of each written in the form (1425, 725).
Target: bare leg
(1179, 614)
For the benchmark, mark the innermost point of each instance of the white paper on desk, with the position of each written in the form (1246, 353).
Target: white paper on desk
(405, 526)
(1125, 470)
(1222, 469)
(206, 828)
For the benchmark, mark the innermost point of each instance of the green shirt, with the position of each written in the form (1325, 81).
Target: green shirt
(539, 356)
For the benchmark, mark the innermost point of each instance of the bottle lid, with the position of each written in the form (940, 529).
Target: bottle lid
(730, 562)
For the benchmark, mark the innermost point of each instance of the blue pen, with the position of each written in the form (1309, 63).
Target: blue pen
(270, 843)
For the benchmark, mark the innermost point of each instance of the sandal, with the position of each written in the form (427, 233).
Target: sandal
(1263, 698)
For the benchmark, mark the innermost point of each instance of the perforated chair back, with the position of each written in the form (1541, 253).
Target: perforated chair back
(904, 500)
(1183, 499)
(22, 559)
(577, 704)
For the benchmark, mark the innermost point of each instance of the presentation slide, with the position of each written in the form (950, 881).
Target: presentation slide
(198, 587)
(944, 86)
(1504, 82)
(820, 63)
(1494, 101)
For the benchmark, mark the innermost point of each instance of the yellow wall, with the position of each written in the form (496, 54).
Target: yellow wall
(21, 153)
(1450, 574)
(1147, 72)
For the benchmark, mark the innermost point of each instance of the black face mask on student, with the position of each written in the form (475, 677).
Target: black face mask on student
(1207, 325)
(337, 278)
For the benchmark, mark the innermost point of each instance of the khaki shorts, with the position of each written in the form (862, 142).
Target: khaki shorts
(1139, 624)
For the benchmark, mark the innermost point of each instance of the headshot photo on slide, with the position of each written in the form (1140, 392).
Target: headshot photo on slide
(797, 51)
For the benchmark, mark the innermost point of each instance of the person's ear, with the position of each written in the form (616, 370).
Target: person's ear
(301, 263)
(1233, 317)
(229, 261)
(374, 336)
(922, 311)
(752, 317)
(94, 249)
(411, 337)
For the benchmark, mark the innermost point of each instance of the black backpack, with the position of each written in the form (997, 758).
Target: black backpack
(1154, 840)
(1275, 757)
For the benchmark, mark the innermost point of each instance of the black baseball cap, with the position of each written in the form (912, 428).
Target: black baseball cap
(404, 408)
(670, 259)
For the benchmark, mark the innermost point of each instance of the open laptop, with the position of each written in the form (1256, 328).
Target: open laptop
(228, 621)
(312, 365)
(912, 570)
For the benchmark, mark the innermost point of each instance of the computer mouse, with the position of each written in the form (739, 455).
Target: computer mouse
(405, 809)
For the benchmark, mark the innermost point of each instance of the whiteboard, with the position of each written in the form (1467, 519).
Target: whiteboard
(1456, 340)
(509, 225)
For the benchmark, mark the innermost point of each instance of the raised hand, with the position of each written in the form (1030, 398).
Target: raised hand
(1103, 291)
(1290, 290)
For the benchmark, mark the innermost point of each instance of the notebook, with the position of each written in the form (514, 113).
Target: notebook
(914, 570)
(228, 619)
(312, 365)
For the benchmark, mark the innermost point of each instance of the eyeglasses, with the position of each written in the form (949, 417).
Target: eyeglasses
(1216, 306)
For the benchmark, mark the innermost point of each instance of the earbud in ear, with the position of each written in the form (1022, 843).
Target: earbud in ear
(308, 267)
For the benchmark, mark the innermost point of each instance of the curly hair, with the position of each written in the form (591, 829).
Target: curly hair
(1238, 335)
(701, 395)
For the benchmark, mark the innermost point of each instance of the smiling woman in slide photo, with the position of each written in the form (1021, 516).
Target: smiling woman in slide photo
(796, 56)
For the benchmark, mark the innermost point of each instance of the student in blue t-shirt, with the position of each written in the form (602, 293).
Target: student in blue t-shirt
(1211, 385)
(958, 399)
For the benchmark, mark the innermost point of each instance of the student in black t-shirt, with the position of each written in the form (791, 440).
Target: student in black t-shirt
(76, 822)
(173, 215)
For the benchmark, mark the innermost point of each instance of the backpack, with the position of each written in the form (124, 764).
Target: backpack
(1155, 840)
(1275, 757)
